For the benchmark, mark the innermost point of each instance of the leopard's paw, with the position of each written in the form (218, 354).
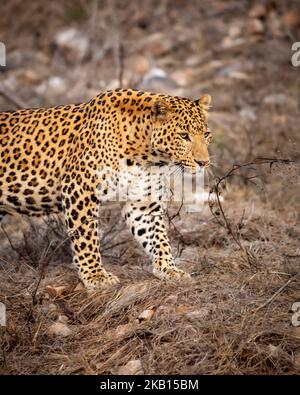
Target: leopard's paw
(171, 273)
(108, 280)
(104, 280)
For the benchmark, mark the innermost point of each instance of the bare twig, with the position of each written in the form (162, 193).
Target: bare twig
(220, 213)
(277, 292)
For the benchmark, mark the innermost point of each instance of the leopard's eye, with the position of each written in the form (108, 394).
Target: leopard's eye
(185, 136)
(206, 134)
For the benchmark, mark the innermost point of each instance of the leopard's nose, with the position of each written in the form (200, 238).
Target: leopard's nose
(202, 163)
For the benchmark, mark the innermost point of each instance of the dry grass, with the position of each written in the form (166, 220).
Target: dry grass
(222, 322)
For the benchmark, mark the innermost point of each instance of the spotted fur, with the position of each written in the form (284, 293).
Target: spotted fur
(50, 161)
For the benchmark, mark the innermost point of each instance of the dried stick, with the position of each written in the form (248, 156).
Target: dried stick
(277, 292)
(248, 256)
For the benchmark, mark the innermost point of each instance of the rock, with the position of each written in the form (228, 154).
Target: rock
(158, 80)
(147, 314)
(274, 350)
(123, 330)
(277, 98)
(274, 24)
(59, 329)
(234, 70)
(73, 44)
(11, 82)
(41, 57)
(55, 85)
(238, 75)
(297, 359)
(120, 331)
(255, 27)
(248, 114)
(197, 315)
(155, 73)
(233, 38)
(113, 84)
(257, 11)
(235, 30)
(183, 77)
(157, 44)
(133, 368)
(229, 42)
(56, 291)
(140, 65)
(193, 60)
(31, 77)
(62, 319)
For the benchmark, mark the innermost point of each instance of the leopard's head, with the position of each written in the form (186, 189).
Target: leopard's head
(180, 133)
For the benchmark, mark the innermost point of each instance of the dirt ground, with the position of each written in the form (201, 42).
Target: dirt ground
(237, 316)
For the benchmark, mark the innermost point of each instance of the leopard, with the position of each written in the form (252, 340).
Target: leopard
(51, 161)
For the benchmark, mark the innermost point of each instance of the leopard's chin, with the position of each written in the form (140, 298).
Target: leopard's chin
(186, 166)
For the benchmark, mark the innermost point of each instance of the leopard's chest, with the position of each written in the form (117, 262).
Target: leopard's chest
(132, 184)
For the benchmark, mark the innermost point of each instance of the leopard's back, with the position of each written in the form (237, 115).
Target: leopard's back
(35, 143)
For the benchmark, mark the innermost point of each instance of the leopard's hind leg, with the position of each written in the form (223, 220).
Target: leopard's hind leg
(81, 208)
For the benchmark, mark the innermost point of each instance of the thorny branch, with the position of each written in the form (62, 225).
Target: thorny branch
(217, 209)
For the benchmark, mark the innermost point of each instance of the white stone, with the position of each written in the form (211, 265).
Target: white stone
(248, 113)
(59, 329)
(278, 98)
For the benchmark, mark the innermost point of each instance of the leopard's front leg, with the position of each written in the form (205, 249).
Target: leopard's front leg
(147, 225)
(81, 214)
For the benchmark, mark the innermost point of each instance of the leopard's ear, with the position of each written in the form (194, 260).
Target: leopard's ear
(160, 109)
(204, 101)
